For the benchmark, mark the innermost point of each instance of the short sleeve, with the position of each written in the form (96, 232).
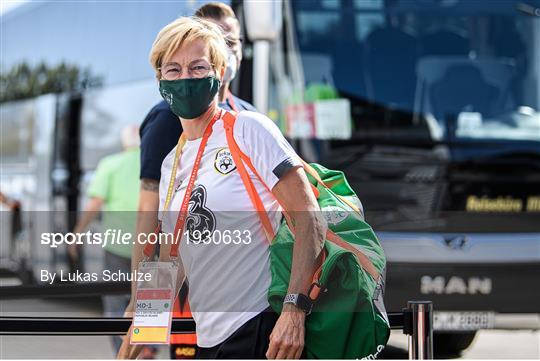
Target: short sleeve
(159, 134)
(262, 141)
(100, 183)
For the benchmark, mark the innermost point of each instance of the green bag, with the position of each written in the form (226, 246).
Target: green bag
(348, 318)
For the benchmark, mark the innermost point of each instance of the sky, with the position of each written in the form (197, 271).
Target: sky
(7, 5)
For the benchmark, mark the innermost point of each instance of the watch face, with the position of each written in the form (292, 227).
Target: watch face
(301, 301)
(291, 298)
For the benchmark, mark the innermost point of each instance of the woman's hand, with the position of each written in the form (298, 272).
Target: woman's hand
(287, 337)
(127, 350)
(123, 352)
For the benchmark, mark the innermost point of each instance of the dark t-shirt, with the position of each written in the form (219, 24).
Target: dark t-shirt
(160, 131)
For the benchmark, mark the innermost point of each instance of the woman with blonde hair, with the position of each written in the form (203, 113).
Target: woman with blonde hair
(229, 280)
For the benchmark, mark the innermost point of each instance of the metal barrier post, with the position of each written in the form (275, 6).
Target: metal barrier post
(420, 339)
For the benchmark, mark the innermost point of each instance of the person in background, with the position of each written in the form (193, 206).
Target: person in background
(114, 189)
(222, 15)
(159, 134)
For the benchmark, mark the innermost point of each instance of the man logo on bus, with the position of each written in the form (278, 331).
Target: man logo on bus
(224, 162)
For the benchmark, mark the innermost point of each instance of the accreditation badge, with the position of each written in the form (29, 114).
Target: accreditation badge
(154, 303)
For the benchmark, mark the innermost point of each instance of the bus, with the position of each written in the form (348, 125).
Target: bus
(432, 110)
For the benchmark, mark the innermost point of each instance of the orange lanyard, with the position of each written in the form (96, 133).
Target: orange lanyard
(182, 215)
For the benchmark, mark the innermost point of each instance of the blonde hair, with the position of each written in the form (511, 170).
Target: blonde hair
(185, 30)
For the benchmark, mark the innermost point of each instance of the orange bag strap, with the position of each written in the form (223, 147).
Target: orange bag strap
(228, 122)
(363, 260)
(239, 158)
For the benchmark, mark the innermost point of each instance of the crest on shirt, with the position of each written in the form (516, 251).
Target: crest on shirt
(167, 96)
(224, 162)
(199, 218)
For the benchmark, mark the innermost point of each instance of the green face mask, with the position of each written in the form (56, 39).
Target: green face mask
(189, 98)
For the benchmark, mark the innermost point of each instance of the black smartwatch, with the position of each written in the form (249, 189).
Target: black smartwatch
(300, 300)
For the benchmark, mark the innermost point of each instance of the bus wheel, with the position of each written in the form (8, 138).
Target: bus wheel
(447, 344)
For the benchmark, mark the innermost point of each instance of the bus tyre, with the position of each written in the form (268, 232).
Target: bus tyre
(451, 343)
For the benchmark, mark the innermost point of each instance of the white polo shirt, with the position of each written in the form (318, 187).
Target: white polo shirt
(228, 282)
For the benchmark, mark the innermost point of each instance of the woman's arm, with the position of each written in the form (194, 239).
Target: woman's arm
(147, 220)
(146, 224)
(294, 193)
